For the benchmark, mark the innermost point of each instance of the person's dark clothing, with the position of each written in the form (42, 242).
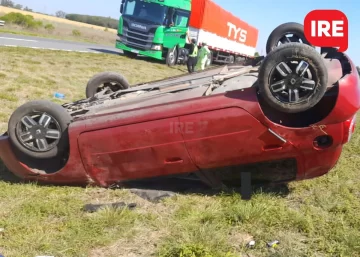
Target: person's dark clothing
(192, 59)
(191, 63)
(191, 50)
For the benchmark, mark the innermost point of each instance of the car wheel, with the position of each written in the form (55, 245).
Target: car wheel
(39, 129)
(171, 56)
(290, 32)
(293, 78)
(106, 83)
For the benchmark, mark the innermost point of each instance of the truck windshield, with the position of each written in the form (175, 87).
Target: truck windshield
(150, 12)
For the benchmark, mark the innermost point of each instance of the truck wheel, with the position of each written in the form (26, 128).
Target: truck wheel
(106, 83)
(129, 54)
(240, 59)
(293, 78)
(290, 32)
(171, 56)
(39, 129)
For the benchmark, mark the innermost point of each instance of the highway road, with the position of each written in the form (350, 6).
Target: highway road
(54, 44)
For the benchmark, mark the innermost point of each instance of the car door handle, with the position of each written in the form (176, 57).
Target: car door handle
(173, 161)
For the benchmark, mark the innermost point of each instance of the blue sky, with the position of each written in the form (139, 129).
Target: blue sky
(263, 14)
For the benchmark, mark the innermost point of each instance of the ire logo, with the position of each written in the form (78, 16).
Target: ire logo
(327, 28)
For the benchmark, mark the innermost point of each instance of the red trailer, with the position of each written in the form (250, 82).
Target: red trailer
(229, 38)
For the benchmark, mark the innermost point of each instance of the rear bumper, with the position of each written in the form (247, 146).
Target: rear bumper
(314, 165)
(348, 100)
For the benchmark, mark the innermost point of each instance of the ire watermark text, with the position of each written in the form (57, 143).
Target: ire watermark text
(327, 28)
(187, 127)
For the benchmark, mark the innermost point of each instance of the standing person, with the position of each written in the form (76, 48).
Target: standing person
(192, 60)
(204, 53)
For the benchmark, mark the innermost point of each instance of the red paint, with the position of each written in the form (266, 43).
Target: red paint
(202, 17)
(232, 136)
(151, 148)
(215, 131)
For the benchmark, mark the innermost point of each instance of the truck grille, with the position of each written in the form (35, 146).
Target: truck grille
(137, 39)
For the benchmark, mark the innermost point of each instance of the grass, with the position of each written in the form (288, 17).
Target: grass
(25, 75)
(319, 217)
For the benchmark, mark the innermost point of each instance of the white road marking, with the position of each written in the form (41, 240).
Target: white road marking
(19, 39)
(53, 49)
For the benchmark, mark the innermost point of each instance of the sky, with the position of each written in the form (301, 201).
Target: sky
(262, 14)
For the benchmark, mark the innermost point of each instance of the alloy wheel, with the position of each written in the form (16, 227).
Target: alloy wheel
(38, 132)
(292, 81)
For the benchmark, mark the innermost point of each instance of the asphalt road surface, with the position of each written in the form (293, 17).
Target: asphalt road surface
(54, 44)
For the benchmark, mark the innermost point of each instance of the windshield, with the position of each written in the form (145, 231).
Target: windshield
(151, 12)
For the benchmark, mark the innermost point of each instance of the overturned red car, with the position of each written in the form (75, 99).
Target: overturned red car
(280, 118)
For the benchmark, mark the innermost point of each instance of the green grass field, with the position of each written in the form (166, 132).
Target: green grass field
(319, 217)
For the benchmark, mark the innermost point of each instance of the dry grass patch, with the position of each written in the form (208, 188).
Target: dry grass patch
(38, 16)
(320, 217)
(45, 26)
(64, 31)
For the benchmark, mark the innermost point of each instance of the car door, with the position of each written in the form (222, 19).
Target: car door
(135, 151)
(227, 137)
(176, 34)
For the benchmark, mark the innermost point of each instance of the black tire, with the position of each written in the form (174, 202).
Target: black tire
(281, 31)
(129, 54)
(240, 59)
(270, 77)
(96, 83)
(60, 120)
(171, 60)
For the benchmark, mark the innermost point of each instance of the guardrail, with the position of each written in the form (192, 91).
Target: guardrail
(2, 23)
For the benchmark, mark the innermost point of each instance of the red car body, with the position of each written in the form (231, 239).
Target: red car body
(223, 133)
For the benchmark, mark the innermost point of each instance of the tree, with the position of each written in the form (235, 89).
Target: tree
(7, 3)
(28, 9)
(94, 20)
(257, 54)
(60, 14)
(18, 6)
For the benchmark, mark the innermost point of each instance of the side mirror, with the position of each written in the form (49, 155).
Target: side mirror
(121, 8)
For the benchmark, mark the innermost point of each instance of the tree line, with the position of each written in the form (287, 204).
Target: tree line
(11, 4)
(107, 22)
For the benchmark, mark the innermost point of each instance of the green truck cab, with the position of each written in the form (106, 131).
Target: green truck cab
(154, 28)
